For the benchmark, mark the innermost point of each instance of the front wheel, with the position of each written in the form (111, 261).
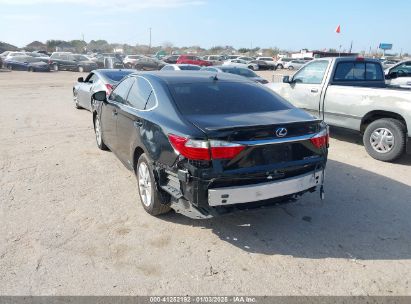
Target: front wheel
(30, 69)
(55, 67)
(251, 68)
(80, 69)
(75, 99)
(291, 68)
(99, 134)
(384, 139)
(149, 195)
(280, 67)
(10, 67)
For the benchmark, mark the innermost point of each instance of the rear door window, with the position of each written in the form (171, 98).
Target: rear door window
(140, 93)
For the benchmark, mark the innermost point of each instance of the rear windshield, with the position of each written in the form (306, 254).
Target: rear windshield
(116, 75)
(239, 71)
(224, 98)
(189, 68)
(358, 71)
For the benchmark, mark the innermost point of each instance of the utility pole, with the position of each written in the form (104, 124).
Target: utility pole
(149, 46)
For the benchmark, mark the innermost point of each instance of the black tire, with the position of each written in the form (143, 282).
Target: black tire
(10, 67)
(291, 68)
(75, 99)
(55, 67)
(30, 69)
(80, 69)
(398, 132)
(280, 67)
(251, 68)
(154, 205)
(97, 128)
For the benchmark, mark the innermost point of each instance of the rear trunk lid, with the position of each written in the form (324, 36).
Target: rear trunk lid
(270, 138)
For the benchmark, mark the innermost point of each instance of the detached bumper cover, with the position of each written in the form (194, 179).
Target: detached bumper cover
(252, 193)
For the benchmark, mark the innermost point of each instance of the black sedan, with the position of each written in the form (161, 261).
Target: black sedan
(26, 63)
(148, 64)
(262, 65)
(206, 144)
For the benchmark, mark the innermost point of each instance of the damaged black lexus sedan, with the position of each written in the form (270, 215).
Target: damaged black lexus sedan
(206, 144)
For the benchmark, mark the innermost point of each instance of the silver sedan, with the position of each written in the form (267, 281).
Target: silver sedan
(97, 80)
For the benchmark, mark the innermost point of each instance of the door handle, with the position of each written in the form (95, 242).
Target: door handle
(138, 123)
(314, 90)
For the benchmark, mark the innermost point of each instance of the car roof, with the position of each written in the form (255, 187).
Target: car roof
(174, 77)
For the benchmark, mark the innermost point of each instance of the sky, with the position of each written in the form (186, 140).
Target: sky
(288, 25)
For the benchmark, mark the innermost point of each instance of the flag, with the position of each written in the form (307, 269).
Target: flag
(338, 29)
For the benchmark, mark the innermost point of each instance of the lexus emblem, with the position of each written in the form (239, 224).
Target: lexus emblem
(281, 132)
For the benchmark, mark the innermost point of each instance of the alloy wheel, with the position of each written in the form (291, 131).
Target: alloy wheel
(144, 184)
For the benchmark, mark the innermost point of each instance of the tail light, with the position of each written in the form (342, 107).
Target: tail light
(109, 88)
(203, 149)
(321, 139)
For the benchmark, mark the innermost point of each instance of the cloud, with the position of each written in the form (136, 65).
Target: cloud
(111, 4)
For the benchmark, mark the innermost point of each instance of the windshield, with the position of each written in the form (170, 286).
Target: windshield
(224, 98)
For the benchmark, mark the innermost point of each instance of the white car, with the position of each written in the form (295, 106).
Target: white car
(15, 54)
(399, 75)
(181, 67)
(294, 64)
(245, 58)
(241, 64)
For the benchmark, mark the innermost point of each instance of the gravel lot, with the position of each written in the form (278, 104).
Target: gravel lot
(71, 222)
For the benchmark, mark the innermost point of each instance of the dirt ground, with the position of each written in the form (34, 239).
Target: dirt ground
(72, 224)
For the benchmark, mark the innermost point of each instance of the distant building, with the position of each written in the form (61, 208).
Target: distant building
(304, 53)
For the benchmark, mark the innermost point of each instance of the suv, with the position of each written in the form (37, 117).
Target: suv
(71, 62)
(189, 59)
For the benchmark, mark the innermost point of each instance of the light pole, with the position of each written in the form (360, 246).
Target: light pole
(149, 46)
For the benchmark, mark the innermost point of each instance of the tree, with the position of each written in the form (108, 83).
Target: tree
(52, 44)
(243, 50)
(79, 45)
(99, 46)
(168, 47)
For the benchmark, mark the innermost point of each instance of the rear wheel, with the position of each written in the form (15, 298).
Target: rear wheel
(10, 67)
(280, 66)
(80, 69)
(149, 195)
(251, 68)
(291, 68)
(30, 69)
(99, 134)
(384, 139)
(55, 67)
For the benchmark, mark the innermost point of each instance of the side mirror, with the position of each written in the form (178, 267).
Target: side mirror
(100, 96)
(286, 79)
(80, 79)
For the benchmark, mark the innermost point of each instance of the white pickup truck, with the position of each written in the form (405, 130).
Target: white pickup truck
(351, 93)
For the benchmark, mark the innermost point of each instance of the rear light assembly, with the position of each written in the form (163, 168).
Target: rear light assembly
(204, 149)
(109, 88)
(321, 139)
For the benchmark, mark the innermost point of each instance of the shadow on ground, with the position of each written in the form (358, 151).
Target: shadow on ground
(365, 216)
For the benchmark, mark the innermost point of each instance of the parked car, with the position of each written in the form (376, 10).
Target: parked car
(241, 64)
(71, 62)
(245, 58)
(15, 54)
(39, 56)
(181, 67)
(294, 64)
(399, 75)
(108, 62)
(245, 72)
(206, 146)
(263, 65)
(97, 80)
(26, 63)
(388, 63)
(229, 57)
(130, 60)
(269, 61)
(215, 59)
(351, 93)
(148, 64)
(189, 59)
(172, 59)
(282, 61)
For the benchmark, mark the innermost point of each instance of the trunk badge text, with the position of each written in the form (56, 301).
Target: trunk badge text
(281, 132)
